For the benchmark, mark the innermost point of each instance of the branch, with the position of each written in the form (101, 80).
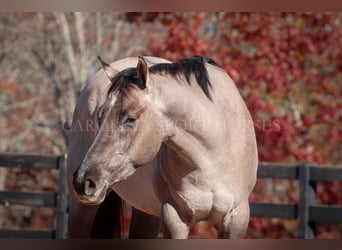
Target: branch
(17, 105)
(80, 31)
(40, 128)
(63, 24)
(84, 61)
(116, 41)
(99, 33)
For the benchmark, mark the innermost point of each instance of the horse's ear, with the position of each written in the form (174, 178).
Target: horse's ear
(109, 70)
(142, 71)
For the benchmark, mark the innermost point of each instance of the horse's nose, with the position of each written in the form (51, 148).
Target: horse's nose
(89, 187)
(84, 185)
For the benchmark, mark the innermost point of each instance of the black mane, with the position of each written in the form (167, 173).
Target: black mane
(123, 78)
(185, 67)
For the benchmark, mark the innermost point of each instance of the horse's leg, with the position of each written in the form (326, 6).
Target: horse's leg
(143, 226)
(235, 223)
(173, 225)
(80, 220)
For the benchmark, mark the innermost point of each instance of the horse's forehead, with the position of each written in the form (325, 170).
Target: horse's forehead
(113, 99)
(128, 99)
(133, 97)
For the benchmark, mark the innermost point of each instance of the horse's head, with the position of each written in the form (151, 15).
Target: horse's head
(129, 134)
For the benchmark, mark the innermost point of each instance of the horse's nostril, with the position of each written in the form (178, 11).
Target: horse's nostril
(78, 184)
(89, 187)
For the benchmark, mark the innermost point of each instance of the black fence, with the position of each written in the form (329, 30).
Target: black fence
(307, 211)
(57, 200)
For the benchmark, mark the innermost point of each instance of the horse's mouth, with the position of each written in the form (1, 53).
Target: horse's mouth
(92, 194)
(95, 199)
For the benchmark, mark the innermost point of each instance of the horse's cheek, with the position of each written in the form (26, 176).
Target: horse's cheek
(151, 145)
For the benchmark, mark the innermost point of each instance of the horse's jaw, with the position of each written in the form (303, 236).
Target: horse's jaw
(122, 174)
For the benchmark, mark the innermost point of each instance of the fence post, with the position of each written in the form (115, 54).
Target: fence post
(62, 200)
(307, 197)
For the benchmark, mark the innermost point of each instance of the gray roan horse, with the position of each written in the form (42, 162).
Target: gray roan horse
(174, 140)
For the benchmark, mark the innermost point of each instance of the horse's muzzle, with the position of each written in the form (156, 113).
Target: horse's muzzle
(85, 188)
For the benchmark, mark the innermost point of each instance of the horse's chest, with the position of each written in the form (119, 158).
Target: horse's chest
(196, 200)
(193, 196)
(197, 193)
(199, 197)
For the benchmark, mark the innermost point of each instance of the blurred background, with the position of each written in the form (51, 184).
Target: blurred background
(287, 66)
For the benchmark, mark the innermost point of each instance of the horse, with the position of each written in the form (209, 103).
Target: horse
(175, 140)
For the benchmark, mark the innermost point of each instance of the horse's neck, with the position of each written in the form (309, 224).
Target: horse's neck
(190, 118)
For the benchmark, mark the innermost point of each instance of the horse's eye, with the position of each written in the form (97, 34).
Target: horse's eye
(130, 120)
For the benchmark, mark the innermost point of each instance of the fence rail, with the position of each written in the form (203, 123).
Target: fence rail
(306, 211)
(57, 200)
